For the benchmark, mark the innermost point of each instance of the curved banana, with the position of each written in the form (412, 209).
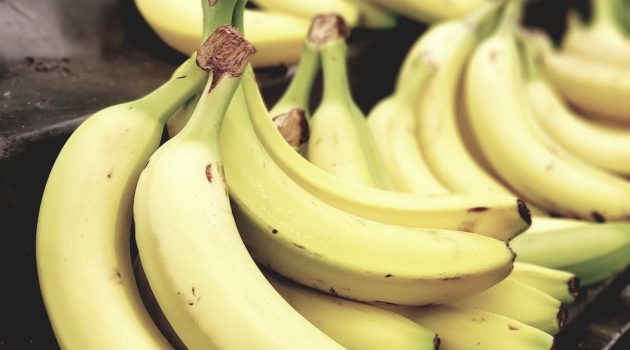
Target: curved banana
(598, 89)
(340, 141)
(83, 230)
(449, 44)
(544, 224)
(374, 16)
(355, 325)
(463, 328)
(591, 252)
(392, 122)
(429, 10)
(309, 9)
(580, 39)
(306, 239)
(603, 145)
(492, 215)
(534, 166)
(521, 302)
(197, 266)
(559, 284)
(278, 37)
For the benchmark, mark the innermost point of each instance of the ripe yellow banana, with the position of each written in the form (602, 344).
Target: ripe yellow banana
(533, 165)
(429, 10)
(308, 240)
(612, 48)
(485, 213)
(521, 302)
(278, 37)
(591, 252)
(603, 145)
(449, 44)
(559, 284)
(355, 325)
(598, 89)
(197, 266)
(393, 124)
(340, 141)
(374, 16)
(463, 328)
(83, 230)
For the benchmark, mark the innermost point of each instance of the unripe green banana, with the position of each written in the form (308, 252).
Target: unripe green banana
(591, 252)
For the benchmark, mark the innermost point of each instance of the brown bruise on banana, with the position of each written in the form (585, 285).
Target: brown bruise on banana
(523, 211)
(512, 327)
(224, 52)
(212, 2)
(436, 342)
(293, 127)
(598, 217)
(327, 28)
(116, 276)
(467, 226)
(478, 209)
(480, 319)
(209, 172)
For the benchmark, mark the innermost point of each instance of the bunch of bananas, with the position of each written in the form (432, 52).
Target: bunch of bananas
(286, 229)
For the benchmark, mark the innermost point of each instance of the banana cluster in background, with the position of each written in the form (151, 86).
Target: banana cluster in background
(465, 210)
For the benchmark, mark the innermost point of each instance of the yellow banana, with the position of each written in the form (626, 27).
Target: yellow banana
(195, 261)
(559, 284)
(278, 37)
(355, 325)
(344, 254)
(521, 302)
(83, 230)
(429, 10)
(533, 165)
(464, 328)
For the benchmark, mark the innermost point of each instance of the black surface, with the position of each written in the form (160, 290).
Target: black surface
(61, 60)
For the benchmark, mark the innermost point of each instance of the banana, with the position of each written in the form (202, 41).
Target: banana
(309, 9)
(393, 125)
(352, 324)
(521, 302)
(441, 141)
(592, 252)
(306, 239)
(602, 145)
(197, 266)
(429, 10)
(534, 166)
(278, 37)
(492, 215)
(83, 230)
(559, 284)
(579, 40)
(463, 328)
(595, 88)
(374, 16)
(340, 141)
(542, 224)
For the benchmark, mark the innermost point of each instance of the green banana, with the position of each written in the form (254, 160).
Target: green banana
(591, 252)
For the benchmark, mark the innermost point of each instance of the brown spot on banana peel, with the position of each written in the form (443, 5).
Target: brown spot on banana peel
(212, 2)
(523, 211)
(209, 172)
(512, 327)
(467, 226)
(598, 217)
(436, 342)
(477, 209)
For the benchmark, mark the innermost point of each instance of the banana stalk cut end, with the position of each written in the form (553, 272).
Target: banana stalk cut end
(293, 126)
(225, 52)
(327, 28)
(524, 212)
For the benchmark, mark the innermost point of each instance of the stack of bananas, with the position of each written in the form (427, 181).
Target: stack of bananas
(286, 229)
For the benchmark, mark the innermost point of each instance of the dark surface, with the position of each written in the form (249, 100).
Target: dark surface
(61, 60)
